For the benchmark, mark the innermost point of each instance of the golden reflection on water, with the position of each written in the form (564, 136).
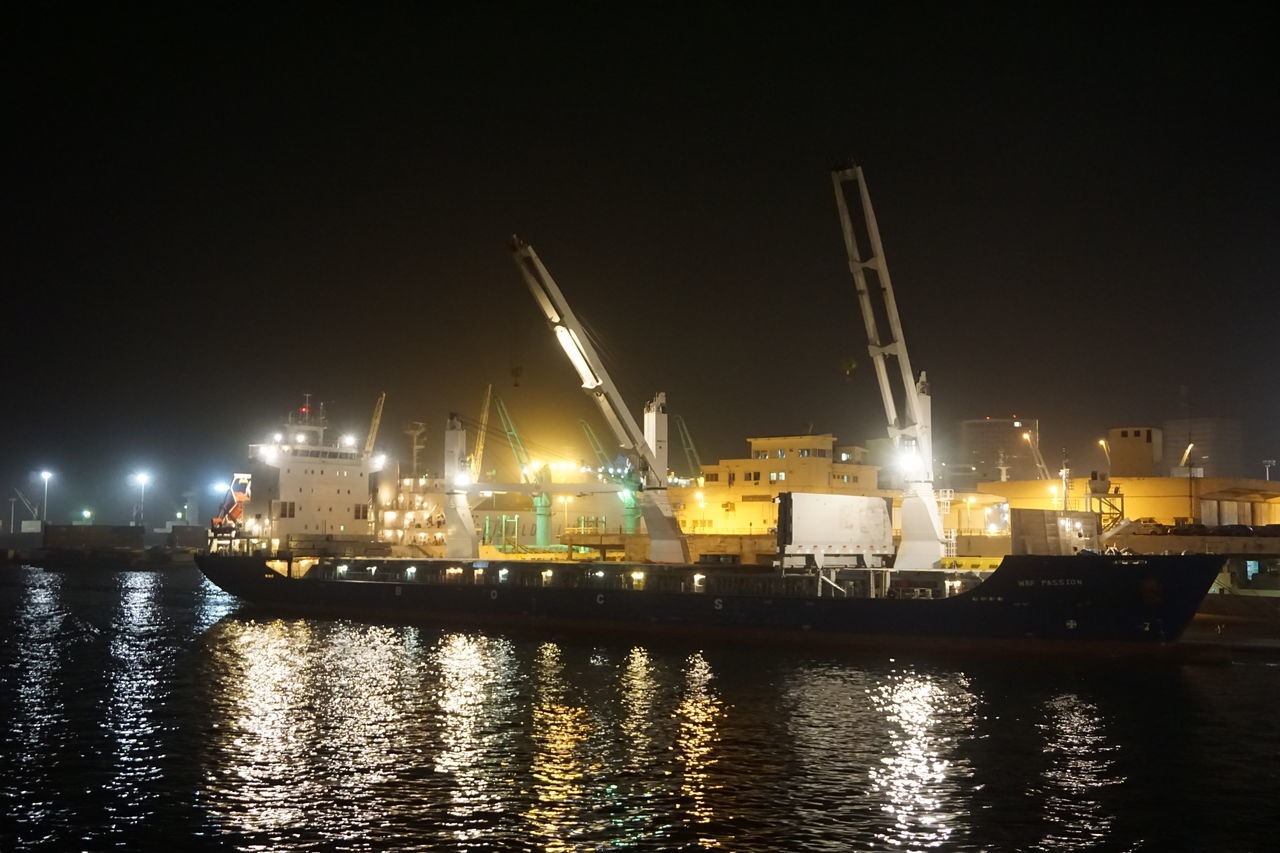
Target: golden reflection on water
(307, 720)
(471, 669)
(1081, 765)
(271, 726)
(559, 729)
(913, 778)
(640, 695)
(699, 714)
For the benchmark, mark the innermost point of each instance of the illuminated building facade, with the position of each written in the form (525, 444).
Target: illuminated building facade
(1135, 451)
(737, 495)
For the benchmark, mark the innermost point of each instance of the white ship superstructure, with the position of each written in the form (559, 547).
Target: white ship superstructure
(306, 487)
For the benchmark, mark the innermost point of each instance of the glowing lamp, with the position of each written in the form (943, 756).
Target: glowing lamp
(573, 348)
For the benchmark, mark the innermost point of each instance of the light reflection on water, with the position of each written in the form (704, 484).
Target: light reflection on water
(559, 729)
(34, 728)
(1082, 762)
(699, 714)
(917, 777)
(142, 704)
(137, 681)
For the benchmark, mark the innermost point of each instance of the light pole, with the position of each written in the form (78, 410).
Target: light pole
(1266, 468)
(44, 510)
(142, 478)
(1102, 442)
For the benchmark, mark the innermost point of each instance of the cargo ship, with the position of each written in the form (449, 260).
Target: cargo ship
(1086, 603)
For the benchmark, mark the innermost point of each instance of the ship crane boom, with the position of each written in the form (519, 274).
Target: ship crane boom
(910, 425)
(666, 543)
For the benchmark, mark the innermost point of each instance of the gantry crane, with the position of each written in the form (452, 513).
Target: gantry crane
(909, 427)
(666, 544)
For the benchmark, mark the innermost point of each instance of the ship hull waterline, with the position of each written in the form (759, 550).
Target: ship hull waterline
(1058, 606)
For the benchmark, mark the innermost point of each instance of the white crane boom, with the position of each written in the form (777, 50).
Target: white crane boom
(910, 430)
(914, 424)
(595, 379)
(477, 455)
(373, 425)
(666, 544)
(1036, 457)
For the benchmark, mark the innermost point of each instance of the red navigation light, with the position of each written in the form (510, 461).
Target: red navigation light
(305, 410)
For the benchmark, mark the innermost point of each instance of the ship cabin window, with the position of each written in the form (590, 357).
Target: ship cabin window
(713, 478)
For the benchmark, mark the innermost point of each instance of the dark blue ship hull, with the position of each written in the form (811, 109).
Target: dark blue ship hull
(1087, 602)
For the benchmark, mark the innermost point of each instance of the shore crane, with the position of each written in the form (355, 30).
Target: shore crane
(666, 544)
(909, 427)
(373, 425)
(1041, 469)
(529, 473)
(477, 455)
(690, 451)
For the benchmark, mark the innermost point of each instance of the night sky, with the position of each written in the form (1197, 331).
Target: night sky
(210, 213)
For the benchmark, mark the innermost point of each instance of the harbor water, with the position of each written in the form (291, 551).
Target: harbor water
(148, 709)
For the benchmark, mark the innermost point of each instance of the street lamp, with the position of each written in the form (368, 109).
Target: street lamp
(1266, 467)
(1102, 442)
(142, 478)
(44, 510)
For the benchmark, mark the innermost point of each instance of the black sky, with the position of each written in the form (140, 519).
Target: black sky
(210, 213)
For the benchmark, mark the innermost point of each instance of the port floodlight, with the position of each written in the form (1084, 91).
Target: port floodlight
(909, 461)
(86, 514)
(300, 438)
(379, 461)
(348, 441)
(278, 437)
(46, 475)
(142, 478)
(218, 488)
(462, 479)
